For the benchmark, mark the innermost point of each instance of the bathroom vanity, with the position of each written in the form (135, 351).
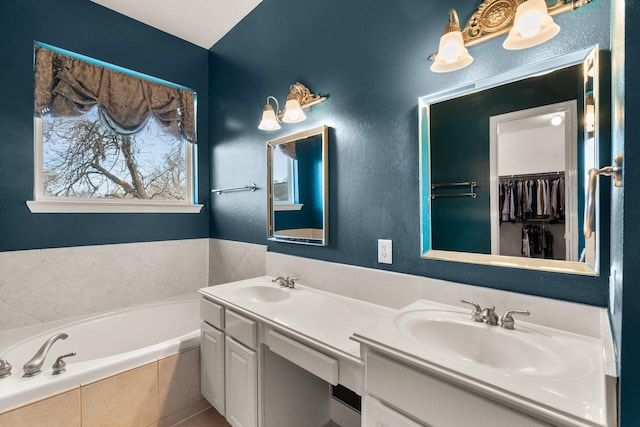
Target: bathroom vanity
(269, 354)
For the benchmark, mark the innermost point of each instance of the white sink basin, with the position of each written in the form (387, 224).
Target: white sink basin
(520, 351)
(262, 294)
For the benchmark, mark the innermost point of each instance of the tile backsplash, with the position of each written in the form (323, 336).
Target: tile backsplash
(43, 285)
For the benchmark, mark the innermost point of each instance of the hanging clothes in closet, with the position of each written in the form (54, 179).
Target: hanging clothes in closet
(532, 197)
(535, 200)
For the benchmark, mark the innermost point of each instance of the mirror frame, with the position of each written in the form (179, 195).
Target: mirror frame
(323, 132)
(517, 74)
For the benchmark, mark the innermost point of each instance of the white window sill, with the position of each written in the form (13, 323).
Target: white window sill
(288, 207)
(109, 206)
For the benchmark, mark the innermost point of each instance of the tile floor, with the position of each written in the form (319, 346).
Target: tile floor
(208, 418)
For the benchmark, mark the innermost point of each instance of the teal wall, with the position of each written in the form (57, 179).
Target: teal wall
(373, 66)
(88, 29)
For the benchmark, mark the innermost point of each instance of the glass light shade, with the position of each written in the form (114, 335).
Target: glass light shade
(590, 114)
(532, 26)
(452, 55)
(293, 112)
(269, 120)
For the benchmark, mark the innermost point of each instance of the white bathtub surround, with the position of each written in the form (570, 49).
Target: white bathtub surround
(231, 261)
(44, 285)
(105, 345)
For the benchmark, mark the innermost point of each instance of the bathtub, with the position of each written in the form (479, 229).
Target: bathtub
(105, 345)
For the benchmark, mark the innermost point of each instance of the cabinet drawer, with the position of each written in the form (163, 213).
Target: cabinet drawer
(240, 328)
(212, 313)
(376, 414)
(312, 360)
(435, 401)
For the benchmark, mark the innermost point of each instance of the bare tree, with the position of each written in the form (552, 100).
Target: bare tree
(84, 158)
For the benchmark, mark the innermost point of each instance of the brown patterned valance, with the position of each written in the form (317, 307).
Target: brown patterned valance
(69, 86)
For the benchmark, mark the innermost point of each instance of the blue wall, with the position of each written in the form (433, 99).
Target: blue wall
(373, 66)
(86, 28)
(625, 225)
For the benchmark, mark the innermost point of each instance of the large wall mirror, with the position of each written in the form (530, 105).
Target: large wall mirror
(297, 169)
(504, 162)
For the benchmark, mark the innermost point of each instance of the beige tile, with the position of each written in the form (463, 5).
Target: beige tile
(126, 399)
(179, 382)
(184, 414)
(62, 410)
(208, 418)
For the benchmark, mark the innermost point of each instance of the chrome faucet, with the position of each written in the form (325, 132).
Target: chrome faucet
(5, 368)
(507, 321)
(286, 282)
(476, 313)
(34, 366)
(489, 316)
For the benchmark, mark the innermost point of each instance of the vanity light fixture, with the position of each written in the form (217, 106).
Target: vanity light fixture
(452, 55)
(532, 26)
(590, 113)
(299, 99)
(528, 22)
(556, 121)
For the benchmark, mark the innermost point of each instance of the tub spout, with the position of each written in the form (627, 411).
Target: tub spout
(34, 366)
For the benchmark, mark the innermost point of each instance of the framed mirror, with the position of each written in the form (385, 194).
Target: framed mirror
(297, 178)
(504, 162)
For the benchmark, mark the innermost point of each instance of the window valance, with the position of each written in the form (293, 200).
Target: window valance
(69, 86)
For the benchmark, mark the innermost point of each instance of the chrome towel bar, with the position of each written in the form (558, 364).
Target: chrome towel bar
(252, 187)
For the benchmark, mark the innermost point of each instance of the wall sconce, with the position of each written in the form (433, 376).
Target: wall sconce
(590, 113)
(528, 22)
(299, 99)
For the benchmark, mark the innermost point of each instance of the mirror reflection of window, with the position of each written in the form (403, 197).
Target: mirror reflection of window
(284, 178)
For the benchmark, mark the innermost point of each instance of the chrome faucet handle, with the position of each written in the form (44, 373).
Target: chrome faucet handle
(5, 368)
(291, 282)
(61, 366)
(476, 313)
(489, 316)
(507, 321)
(281, 280)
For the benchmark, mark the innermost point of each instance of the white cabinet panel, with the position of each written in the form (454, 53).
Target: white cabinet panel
(304, 356)
(241, 384)
(212, 365)
(242, 329)
(375, 414)
(435, 401)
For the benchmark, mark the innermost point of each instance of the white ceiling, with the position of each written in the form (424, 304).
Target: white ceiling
(201, 22)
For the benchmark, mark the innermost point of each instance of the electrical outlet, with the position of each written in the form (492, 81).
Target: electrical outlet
(385, 249)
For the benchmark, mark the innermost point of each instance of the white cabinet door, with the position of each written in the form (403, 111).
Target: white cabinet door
(212, 365)
(241, 384)
(375, 414)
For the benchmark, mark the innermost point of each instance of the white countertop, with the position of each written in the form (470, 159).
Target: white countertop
(322, 317)
(575, 395)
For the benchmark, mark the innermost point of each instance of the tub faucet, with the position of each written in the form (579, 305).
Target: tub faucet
(34, 366)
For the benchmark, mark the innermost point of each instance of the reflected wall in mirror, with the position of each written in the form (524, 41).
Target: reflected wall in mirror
(297, 178)
(527, 139)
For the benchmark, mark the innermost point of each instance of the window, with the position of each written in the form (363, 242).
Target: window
(285, 182)
(110, 140)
